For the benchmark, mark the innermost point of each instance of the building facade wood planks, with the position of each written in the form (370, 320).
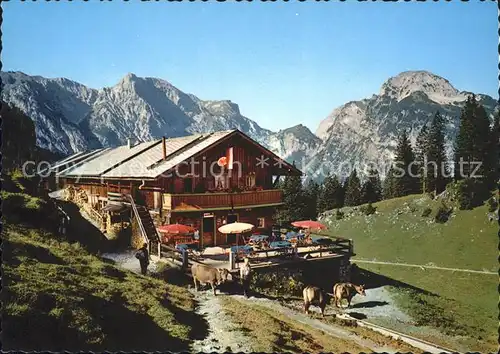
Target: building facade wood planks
(186, 180)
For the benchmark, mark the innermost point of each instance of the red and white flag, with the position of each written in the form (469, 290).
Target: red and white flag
(229, 155)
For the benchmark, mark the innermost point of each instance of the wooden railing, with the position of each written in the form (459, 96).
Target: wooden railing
(214, 200)
(339, 246)
(138, 218)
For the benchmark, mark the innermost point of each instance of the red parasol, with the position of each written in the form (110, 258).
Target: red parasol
(176, 229)
(309, 224)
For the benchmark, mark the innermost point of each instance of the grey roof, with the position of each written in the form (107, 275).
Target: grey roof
(101, 162)
(150, 164)
(67, 158)
(176, 159)
(73, 160)
(137, 166)
(144, 160)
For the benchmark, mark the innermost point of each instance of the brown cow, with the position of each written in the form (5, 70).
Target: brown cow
(208, 275)
(314, 296)
(346, 291)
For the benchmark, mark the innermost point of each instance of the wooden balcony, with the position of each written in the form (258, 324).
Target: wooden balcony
(187, 202)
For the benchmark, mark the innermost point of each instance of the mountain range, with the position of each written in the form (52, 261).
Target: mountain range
(70, 117)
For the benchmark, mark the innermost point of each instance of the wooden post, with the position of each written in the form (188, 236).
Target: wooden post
(232, 260)
(184, 259)
(351, 246)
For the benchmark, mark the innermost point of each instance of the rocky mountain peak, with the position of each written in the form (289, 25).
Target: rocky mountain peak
(219, 107)
(71, 117)
(126, 83)
(406, 83)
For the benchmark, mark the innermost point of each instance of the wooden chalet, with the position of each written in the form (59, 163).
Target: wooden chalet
(203, 180)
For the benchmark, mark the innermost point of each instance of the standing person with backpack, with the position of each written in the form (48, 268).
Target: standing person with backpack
(143, 256)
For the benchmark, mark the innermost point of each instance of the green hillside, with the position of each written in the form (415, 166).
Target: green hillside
(59, 296)
(398, 232)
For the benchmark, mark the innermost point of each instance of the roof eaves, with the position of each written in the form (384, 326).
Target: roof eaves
(79, 164)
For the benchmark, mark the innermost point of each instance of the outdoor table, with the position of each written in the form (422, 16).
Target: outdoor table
(280, 244)
(321, 240)
(292, 234)
(242, 249)
(258, 238)
(186, 246)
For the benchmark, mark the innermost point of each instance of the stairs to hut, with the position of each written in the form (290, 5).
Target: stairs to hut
(146, 225)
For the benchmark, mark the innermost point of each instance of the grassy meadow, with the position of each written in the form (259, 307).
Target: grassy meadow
(59, 296)
(466, 303)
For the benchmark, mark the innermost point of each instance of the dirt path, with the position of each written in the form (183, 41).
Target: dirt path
(223, 334)
(379, 303)
(332, 330)
(127, 260)
(423, 267)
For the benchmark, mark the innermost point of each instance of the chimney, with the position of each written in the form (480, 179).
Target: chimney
(164, 148)
(129, 143)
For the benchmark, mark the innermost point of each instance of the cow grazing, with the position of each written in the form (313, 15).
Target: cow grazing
(208, 275)
(314, 296)
(346, 291)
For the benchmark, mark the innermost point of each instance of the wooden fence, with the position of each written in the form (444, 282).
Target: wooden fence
(263, 258)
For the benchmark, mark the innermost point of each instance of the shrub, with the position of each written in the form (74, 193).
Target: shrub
(339, 215)
(443, 213)
(368, 209)
(471, 193)
(465, 194)
(426, 212)
(22, 183)
(492, 204)
(282, 282)
(19, 207)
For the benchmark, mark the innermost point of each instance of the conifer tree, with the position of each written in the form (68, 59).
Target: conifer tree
(473, 159)
(294, 201)
(422, 156)
(311, 200)
(493, 166)
(388, 186)
(321, 203)
(437, 169)
(405, 174)
(353, 190)
(371, 191)
(331, 194)
(465, 141)
(481, 141)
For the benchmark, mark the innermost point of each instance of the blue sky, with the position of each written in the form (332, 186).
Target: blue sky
(283, 63)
